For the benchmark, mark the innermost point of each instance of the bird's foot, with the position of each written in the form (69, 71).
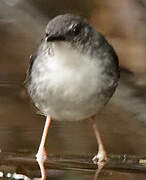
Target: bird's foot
(100, 158)
(41, 155)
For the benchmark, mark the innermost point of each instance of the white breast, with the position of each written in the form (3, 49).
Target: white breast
(70, 82)
(72, 71)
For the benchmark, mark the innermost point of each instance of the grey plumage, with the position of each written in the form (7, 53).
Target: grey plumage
(74, 72)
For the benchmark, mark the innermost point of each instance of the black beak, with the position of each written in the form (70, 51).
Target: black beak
(55, 38)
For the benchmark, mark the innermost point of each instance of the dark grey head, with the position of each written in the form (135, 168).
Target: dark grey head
(68, 28)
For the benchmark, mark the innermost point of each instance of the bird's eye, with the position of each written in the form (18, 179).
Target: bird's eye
(75, 28)
(47, 34)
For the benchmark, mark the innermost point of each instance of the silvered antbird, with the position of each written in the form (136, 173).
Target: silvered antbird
(73, 75)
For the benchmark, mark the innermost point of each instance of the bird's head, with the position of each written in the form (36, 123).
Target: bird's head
(68, 28)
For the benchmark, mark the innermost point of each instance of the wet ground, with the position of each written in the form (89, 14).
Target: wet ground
(70, 145)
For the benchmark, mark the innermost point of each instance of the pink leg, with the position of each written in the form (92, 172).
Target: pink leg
(101, 156)
(41, 154)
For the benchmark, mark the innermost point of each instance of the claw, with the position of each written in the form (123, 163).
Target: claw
(101, 157)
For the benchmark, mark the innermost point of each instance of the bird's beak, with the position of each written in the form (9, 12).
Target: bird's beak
(55, 37)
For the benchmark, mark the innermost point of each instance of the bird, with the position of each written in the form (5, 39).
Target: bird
(72, 76)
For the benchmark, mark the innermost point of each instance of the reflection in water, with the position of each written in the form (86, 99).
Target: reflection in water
(42, 169)
(13, 176)
(24, 166)
(44, 174)
(97, 172)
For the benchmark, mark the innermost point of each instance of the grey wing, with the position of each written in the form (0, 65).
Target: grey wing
(27, 76)
(32, 59)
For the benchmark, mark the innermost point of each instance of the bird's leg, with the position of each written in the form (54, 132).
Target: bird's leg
(41, 154)
(101, 156)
